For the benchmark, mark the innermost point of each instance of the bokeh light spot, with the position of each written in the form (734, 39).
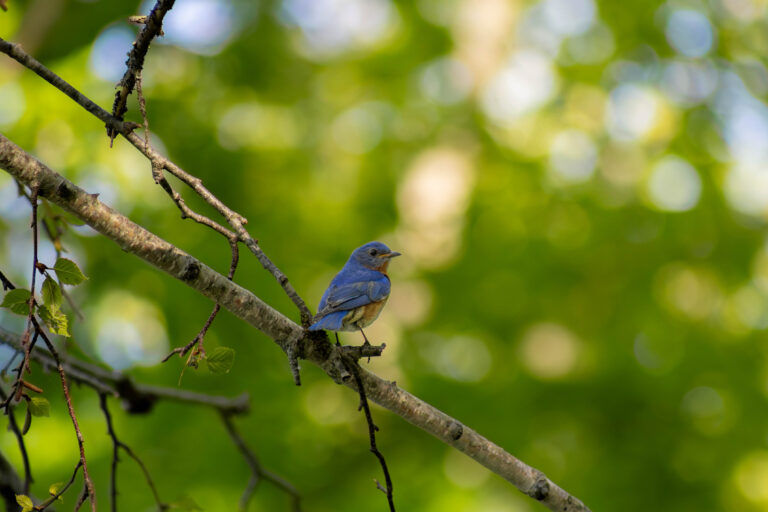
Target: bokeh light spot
(12, 105)
(462, 358)
(632, 112)
(691, 291)
(526, 83)
(751, 477)
(569, 17)
(326, 403)
(463, 471)
(446, 81)
(688, 83)
(674, 185)
(572, 156)
(331, 27)
(549, 351)
(432, 201)
(690, 32)
(359, 129)
(110, 51)
(130, 330)
(706, 408)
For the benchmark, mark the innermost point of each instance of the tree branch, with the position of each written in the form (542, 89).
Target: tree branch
(352, 365)
(116, 445)
(17, 53)
(153, 26)
(234, 219)
(137, 398)
(257, 470)
(10, 485)
(244, 304)
(14, 427)
(70, 408)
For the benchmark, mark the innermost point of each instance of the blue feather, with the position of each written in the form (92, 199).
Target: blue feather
(331, 322)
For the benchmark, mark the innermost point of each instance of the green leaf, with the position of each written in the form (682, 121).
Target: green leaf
(39, 406)
(51, 294)
(68, 272)
(24, 502)
(54, 489)
(220, 360)
(17, 301)
(55, 319)
(185, 504)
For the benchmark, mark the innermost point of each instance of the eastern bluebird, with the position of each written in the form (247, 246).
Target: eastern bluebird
(358, 293)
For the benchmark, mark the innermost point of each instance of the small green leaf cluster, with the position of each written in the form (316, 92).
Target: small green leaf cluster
(18, 300)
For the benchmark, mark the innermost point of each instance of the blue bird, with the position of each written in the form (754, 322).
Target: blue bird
(358, 292)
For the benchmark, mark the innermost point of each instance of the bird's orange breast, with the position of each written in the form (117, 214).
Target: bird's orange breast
(364, 315)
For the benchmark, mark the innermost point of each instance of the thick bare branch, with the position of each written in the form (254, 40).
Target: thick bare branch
(314, 346)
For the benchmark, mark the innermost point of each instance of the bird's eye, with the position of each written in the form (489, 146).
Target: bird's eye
(372, 252)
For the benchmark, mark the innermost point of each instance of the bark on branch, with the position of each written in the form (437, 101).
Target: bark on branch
(286, 333)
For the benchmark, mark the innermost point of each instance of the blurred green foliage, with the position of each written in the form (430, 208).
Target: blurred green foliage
(579, 189)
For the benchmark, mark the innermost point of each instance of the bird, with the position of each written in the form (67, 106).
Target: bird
(358, 293)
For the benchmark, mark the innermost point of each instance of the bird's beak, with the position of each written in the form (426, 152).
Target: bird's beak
(390, 255)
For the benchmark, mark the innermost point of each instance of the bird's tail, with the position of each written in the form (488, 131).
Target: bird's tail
(331, 321)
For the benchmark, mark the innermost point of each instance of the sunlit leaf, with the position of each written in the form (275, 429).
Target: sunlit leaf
(39, 406)
(51, 293)
(68, 272)
(17, 301)
(24, 502)
(220, 360)
(54, 489)
(55, 319)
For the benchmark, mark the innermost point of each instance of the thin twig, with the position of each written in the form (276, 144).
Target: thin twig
(6, 283)
(234, 219)
(20, 440)
(80, 443)
(258, 472)
(143, 106)
(372, 428)
(8, 364)
(33, 202)
(47, 503)
(137, 398)
(26, 344)
(251, 309)
(81, 498)
(153, 26)
(16, 52)
(116, 446)
(198, 340)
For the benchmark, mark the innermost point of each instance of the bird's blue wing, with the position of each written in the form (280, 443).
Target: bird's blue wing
(347, 296)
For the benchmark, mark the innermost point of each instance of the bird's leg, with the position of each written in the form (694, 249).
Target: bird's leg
(337, 339)
(366, 343)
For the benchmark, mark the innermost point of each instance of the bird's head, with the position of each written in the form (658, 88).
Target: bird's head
(374, 255)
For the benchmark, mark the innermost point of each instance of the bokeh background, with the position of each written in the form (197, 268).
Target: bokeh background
(580, 191)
